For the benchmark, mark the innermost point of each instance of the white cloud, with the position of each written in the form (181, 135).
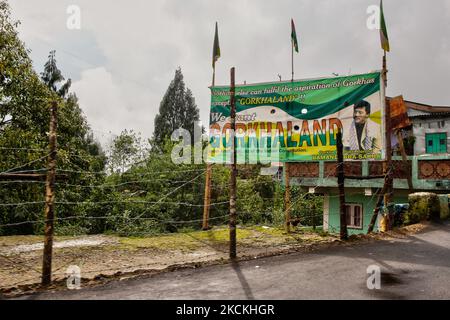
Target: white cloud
(127, 51)
(105, 105)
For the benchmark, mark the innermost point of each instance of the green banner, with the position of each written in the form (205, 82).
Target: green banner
(298, 121)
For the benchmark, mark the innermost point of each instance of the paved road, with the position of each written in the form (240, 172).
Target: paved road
(414, 268)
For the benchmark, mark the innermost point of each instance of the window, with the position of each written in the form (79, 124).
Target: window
(353, 213)
(436, 142)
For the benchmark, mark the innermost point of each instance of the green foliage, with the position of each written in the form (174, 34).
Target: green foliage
(256, 195)
(307, 207)
(445, 210)
(52, 76)
(126, 149)
(144, 192)
(177, 110)
(24, 124)
(408, 143)
(422, 206)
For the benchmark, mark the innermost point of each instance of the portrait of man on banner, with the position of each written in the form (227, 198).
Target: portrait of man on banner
(363, 133)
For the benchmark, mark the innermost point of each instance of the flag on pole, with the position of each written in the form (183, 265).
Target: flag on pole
(294, 36)
(383, 30)
(216, 49)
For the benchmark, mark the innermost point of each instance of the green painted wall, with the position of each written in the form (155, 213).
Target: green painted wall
(445, 213)
(368, 204)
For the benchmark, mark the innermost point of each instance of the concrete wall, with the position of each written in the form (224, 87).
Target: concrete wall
(331, 209)
(423, 126)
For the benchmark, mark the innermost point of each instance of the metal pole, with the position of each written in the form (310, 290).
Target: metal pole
(233, 170)
(49, 200)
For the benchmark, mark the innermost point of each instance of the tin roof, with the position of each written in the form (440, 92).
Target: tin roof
(421, 110)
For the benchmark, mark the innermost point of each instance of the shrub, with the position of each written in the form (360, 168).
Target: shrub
(422, 206)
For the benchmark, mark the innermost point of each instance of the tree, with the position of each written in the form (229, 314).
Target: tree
(24, 123)
(126, 149)
(52, 76)
(177, 110)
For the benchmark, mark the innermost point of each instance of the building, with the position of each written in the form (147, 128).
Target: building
(428, 164)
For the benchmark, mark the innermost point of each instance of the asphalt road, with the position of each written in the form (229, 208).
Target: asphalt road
(417, 267)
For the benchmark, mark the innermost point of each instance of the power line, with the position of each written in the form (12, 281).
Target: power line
(109, 202)
(165, 196)
(24, 165)
(23, 149)
(106, 218)
(129, 173)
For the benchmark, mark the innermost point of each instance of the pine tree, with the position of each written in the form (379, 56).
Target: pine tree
(177, 110)
(52, 76)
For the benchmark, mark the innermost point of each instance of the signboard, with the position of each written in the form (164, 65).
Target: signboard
(399, 114)
(299, 120)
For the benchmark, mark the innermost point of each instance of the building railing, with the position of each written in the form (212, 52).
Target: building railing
(428, 172)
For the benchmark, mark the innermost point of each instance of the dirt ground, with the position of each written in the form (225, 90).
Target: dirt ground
(104, 257)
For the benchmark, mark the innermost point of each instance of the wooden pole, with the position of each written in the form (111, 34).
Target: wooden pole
(207, 199)
(208, 177)
(341, 185)
(292, 60)
(377, 209)
(404, 159)
(287, 182)
(313, 211)
(50, 200)
(388, 163)
(385, 194)
(233, 169)
(287, 198)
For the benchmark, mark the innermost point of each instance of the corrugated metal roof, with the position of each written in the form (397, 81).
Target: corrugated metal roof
(431, 115)
(422, 108)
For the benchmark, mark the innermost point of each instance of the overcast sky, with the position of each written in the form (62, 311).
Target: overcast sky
(124, 56)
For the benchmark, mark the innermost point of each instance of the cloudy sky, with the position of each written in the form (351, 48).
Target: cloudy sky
(126, 52)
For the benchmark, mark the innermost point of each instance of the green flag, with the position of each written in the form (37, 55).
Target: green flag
(294, 36)
(216, 49)
(383, 30)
